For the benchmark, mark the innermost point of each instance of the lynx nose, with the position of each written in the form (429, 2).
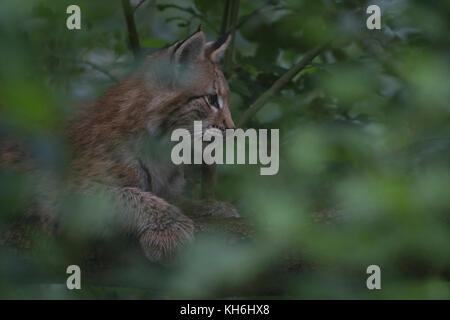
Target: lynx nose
(228, 121)
(228, 124)
(223, 122)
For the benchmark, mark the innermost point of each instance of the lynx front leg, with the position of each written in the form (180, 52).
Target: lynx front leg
(160, 226)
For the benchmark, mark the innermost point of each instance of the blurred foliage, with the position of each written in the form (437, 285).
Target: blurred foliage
(364, 131)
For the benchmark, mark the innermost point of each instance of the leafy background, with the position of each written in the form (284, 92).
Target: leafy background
(364, 134)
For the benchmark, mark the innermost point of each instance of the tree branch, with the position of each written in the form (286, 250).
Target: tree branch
(101, 256)
(233, 18)
(131, 25)
(226, 10)
(279, 84)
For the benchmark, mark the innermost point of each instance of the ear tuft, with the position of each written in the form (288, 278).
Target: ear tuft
(190, 50)
(215, 48)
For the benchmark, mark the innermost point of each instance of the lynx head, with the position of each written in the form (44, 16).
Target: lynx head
(188, 73)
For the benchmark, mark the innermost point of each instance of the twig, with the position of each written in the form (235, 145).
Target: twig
(91, 64)
(131, 25)
(100, 69)
(138, 5)
(279, 84)
(254, 13)
(190, 11)
(233, 18)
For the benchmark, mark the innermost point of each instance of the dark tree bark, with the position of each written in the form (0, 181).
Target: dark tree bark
(133, 37)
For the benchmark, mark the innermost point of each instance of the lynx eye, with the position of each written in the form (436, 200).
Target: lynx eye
(213, 100)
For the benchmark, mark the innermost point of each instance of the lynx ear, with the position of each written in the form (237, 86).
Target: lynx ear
(190, 50)
(215, 48)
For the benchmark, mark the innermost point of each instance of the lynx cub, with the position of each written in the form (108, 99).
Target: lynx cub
(119, 141)
(173, 88)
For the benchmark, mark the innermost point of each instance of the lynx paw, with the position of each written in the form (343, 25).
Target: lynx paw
(161, 239)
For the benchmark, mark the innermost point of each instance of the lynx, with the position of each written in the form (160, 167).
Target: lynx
(118, 140)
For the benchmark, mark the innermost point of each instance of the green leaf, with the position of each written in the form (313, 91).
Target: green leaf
(153, 42)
